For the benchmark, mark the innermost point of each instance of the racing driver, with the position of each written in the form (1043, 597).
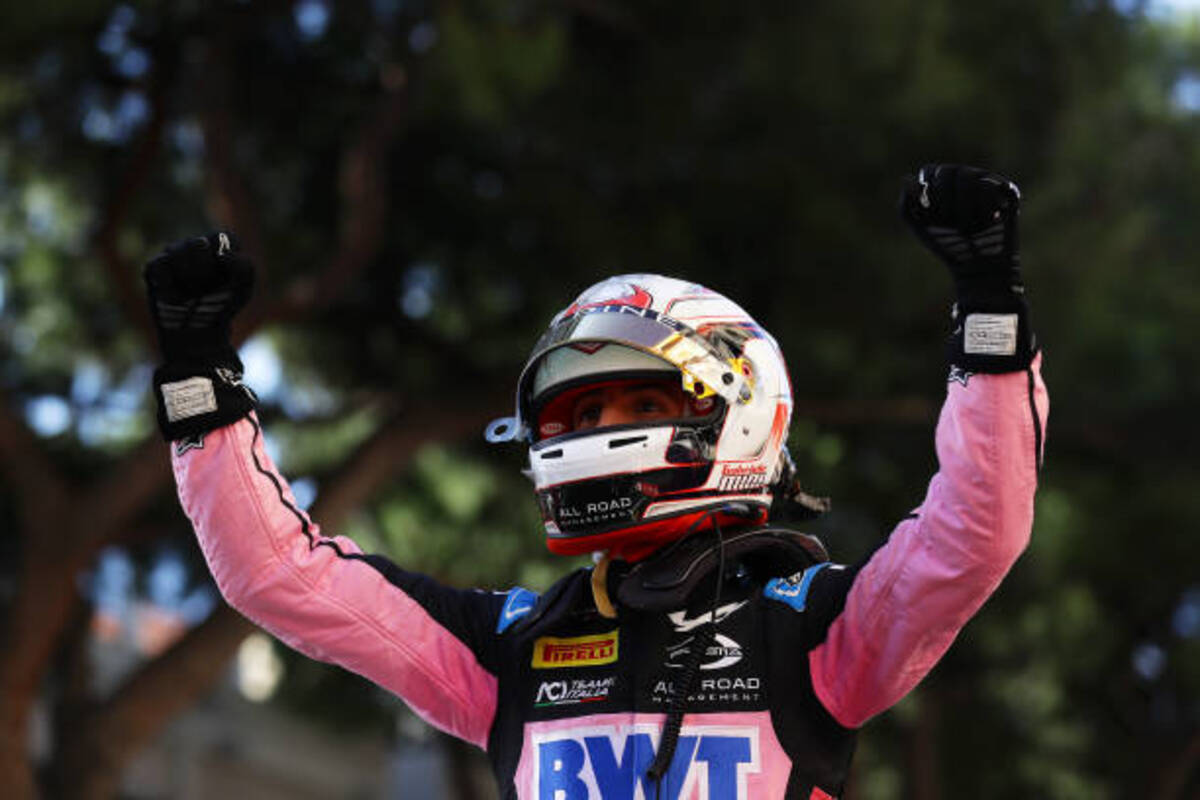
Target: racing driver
(710, 652)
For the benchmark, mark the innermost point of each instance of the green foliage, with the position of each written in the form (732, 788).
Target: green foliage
(485, 68)
(460, 519)
(755, 147)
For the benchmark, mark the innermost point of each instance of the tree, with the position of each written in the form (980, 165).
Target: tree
(424, 185)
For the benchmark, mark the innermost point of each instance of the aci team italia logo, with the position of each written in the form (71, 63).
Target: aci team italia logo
(575, 651)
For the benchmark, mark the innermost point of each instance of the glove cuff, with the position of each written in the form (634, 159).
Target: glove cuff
(992, 334)
(195, 398)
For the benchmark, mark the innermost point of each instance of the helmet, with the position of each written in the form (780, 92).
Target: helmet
(630, 488)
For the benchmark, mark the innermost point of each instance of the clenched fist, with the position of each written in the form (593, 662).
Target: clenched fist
(967, 217)
(195, 288)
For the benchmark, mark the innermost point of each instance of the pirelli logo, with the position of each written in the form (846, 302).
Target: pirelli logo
(575, 651)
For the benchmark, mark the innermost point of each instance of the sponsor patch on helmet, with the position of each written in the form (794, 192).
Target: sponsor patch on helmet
(582, 513)
(743, 477)
(613, 292)
(549, 429)
(550, 652)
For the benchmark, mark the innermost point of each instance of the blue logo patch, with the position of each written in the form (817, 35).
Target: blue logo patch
(519, 603)
(794, 590)
(587, 764)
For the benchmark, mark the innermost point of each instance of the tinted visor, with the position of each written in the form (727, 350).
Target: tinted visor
(567, 410)
(706, 370)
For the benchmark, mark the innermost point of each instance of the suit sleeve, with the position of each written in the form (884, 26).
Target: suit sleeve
(907, 603)
(427, 643)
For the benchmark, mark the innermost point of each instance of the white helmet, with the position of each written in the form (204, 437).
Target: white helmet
(630, 488)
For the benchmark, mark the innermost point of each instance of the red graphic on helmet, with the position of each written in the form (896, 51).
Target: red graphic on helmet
(610, 293)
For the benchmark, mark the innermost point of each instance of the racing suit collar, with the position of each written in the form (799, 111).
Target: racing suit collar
(666, 580)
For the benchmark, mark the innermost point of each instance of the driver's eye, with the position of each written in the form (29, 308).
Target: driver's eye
(649, 405)
(587, 415)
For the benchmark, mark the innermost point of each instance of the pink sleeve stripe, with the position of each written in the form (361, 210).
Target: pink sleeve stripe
(318, 597)
(914, 595)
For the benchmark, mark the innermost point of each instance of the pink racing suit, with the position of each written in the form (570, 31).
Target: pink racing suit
(573, 708)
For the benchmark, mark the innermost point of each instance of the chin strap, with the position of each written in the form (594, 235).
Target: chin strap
(604, 604)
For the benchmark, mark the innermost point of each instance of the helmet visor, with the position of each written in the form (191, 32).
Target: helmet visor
(706, 370)
(649, 397)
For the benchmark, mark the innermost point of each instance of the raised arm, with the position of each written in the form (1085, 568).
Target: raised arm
(429, 644)
(907, 603)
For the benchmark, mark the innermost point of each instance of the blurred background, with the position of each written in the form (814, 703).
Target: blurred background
(423, 183)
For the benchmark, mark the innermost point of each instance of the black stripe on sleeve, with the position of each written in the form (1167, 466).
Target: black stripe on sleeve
(468, 614)
(1037, 421)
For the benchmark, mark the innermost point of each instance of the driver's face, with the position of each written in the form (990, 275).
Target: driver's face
(624, 403)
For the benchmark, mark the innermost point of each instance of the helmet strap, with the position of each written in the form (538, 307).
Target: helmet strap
(789, 501)
(604, 604)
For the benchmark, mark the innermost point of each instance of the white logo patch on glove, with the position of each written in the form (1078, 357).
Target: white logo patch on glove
(188, 398)
(990, 334)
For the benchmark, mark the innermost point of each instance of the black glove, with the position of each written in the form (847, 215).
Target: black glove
(195, 288)
(968, 218)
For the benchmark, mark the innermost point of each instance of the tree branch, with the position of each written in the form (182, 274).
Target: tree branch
(1174, 775)
(110, 503)
(129, 294)
(155, 693)
(393, 445)
(230, 202)
(365, 202)
(24, 462)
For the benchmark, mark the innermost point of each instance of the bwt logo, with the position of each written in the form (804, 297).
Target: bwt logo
(711, 763)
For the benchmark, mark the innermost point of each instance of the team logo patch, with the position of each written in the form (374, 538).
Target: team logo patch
(611, 292)
(576, 651)
(712, 690)
(794, 590)
(193, 442)
(683, 623)
(567, 693)
(520, 601)
(722, 652)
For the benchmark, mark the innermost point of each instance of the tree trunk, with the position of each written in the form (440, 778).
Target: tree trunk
(42, 609)
(466, 777)
(121, 726)
(925, 763)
